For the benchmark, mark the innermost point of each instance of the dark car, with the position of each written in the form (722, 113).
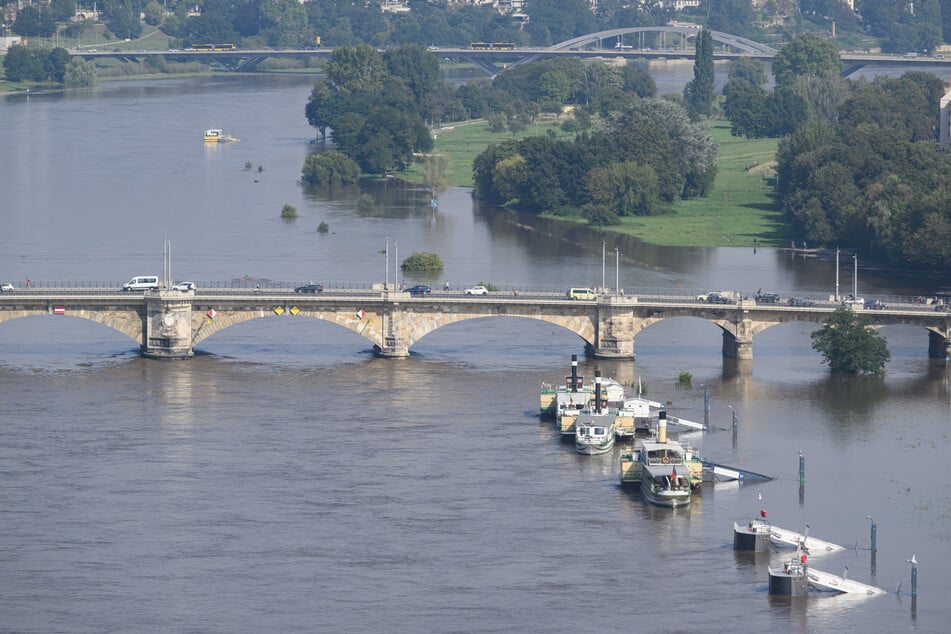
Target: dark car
(875, 304)
(309, 288)
(718, 298)
(419, 289)
(767, 298)
(799, 302)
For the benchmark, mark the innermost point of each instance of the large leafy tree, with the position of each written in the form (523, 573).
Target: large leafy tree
(35, 20)
(418, 68)
(553, 21)
(24, 64)
(848, 344)
(79, 73)
(732, 16)
(374, 114)
(807, 54)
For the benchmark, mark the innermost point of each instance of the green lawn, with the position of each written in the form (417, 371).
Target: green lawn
(741, 208)
(462, 142)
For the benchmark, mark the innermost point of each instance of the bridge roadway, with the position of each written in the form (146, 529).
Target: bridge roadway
(598, 44)
(169, 324)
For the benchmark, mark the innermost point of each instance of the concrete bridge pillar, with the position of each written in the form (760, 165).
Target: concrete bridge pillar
(167, 331)
(739, 343)
(614, 337)
(394, 343)
(939, 346)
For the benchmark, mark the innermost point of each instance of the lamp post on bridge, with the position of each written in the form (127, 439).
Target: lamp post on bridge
(617, 271)
(603, 245)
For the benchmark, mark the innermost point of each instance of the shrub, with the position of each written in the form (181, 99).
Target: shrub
(489, 286)
(288, 211)
(422, 262)
(323, 227)
(365, 203)
(684, 377)
(329, 168)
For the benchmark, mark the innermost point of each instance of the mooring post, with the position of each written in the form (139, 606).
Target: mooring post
(874, 536)
(706, 406)
(802, 469)
(914, 577)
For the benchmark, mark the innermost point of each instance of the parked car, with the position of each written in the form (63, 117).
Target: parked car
(419, 289)
(799, 302)
(476, 290)
(718, 298)
(185, 287)
(875, 304)
(309, 288)
(6, 287)
(942, 306)
(767, 298)
(852, 300)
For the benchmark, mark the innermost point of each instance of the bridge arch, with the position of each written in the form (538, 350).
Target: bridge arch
(581, 326)
(204, 326)
(402, 325)
(115, 320)
(741, 44)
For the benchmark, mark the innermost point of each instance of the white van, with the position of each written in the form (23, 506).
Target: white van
(142, 283)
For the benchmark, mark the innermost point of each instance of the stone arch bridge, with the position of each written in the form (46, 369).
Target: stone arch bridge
(169, 324)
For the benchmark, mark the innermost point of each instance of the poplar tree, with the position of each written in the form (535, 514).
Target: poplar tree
(699, 92)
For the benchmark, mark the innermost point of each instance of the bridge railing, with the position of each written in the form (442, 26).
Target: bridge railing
(539, 291)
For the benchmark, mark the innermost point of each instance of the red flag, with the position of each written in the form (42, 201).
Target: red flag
(673, 473)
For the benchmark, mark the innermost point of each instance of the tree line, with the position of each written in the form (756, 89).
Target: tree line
(859, 164)
(915, 25)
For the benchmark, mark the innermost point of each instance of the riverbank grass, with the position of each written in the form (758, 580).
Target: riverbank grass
(462, 142)
(741, 211)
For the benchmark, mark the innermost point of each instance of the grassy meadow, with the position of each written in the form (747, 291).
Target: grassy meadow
(741, 208)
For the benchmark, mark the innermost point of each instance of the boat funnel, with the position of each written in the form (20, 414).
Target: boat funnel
(574, 373)
(597, 391)
(662, 426)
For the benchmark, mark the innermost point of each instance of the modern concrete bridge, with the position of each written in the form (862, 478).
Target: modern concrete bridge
(675, 42)
(169, 324)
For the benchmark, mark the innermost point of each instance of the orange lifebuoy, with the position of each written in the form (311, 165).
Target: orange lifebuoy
(665, 460)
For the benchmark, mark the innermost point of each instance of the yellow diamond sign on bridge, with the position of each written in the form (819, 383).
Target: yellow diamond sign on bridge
(294, 310)
(279, 310)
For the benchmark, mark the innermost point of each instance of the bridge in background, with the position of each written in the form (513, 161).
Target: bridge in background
(675, 42)
(169, 323)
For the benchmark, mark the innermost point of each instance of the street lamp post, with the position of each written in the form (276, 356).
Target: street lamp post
(603, 245)
(617, 271)
(855, 275)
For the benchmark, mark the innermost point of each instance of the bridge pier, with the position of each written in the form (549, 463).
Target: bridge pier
(614, 337)
(939, 346)
(393, 348)
(739, 343)
(394, 344)
(167, 331)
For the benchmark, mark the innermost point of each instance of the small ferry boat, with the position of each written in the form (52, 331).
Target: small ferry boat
(594, 427)
(594, 434)
(665, 478)
(217, 135)
(566, 402)
(632, 463)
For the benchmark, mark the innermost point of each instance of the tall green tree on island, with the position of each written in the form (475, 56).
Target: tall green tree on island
(699, 92)
(848, 345)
